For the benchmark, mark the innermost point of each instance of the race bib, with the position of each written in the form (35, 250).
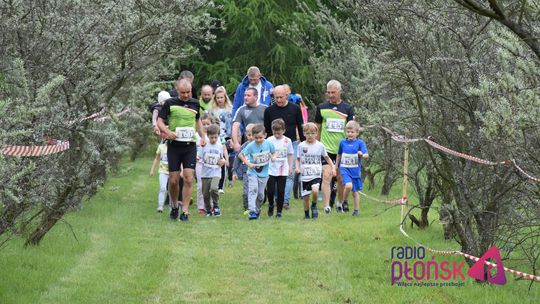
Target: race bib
(261, 159)
(184, 133)
(211, 160)
(335, 125)
(311, 171)
(281, 155)
(164, 159)
(349, 160)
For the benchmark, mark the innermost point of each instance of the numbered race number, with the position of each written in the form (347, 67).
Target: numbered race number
(335, 125)
(349, 160)
(211, 160)
(185, 134)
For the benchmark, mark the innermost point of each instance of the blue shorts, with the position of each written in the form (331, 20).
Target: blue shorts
(356, 182)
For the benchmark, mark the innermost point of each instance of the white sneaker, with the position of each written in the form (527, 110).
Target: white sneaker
(327, 209)
(221, 191)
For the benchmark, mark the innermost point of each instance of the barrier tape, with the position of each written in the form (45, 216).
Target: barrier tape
(60, 145)
(35, 150)
(389, 202)
(536, 179)
(400, 138)
(462, 155)
(99, 117)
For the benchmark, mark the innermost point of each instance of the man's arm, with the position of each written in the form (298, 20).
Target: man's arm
(161, 125)
(236, 136)
(299, 123)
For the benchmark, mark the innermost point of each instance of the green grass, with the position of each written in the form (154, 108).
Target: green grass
(125, 252)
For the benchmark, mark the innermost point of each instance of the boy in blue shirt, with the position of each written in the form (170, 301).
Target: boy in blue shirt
(351, 151)
(257, 156)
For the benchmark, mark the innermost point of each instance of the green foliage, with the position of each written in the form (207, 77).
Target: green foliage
(62, 61)
(253, 35)
(431, 68)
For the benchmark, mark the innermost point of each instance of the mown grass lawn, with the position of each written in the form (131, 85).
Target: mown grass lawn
(125, 252)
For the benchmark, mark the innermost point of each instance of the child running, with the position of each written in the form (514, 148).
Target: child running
(351, 151)
(259, 153)
(213, 156)
(206, 121)
(279, 169)
(240, 170)
(309, 166)
(161, 156)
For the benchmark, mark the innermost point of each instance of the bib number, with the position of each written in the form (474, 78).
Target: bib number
(185, 134)
(335, 125)
(349, 160)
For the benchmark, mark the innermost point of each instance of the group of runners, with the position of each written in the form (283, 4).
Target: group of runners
(268, 131)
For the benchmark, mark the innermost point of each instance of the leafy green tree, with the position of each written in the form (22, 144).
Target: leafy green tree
(431, 68)
(253, 34)
(61, 61)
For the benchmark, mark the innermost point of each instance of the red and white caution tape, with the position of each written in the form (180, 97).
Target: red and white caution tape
(389, 202)
(98, 117)
(400, 138)
(535, 179)
(35, 150)
(463, 155)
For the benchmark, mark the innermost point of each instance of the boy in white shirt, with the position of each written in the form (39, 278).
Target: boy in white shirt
(279, 169)
(309, 164)
(213, 156)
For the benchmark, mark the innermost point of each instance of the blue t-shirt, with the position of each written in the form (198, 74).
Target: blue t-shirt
(350, 163)
(260, 156)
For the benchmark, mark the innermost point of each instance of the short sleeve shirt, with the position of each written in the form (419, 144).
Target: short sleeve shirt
(284, 148)
(260, 156)
(182, 117)
(246, 115)
(163, 162)
(333, 118)
(310, 160)
(350, 163)
(210, 155)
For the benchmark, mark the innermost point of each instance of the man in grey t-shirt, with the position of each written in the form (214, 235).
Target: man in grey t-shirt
(250, 113)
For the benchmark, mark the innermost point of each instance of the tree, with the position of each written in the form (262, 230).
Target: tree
(62, 61)
(425, 68)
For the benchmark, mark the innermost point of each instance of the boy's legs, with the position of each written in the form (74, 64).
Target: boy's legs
(280, 186)
(270, 190)
(261, 184)
(214, 191)
(221, 180)
(200, 199)
(205, 189)
(253, 186)
(163, 180)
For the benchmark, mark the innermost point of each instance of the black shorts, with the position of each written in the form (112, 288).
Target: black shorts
(181, 153)
(306, 186)
(332, 157)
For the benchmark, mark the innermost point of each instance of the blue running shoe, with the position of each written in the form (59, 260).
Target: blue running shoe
(217, 212)
(252, 215)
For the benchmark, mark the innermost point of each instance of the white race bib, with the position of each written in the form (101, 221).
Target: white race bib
(211, 160)
(312, 171)
(184, 133)
(261, 159)
(335, 125)
(349, 160)
(281, 155)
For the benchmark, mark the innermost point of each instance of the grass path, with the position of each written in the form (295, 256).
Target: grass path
(125, 252)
